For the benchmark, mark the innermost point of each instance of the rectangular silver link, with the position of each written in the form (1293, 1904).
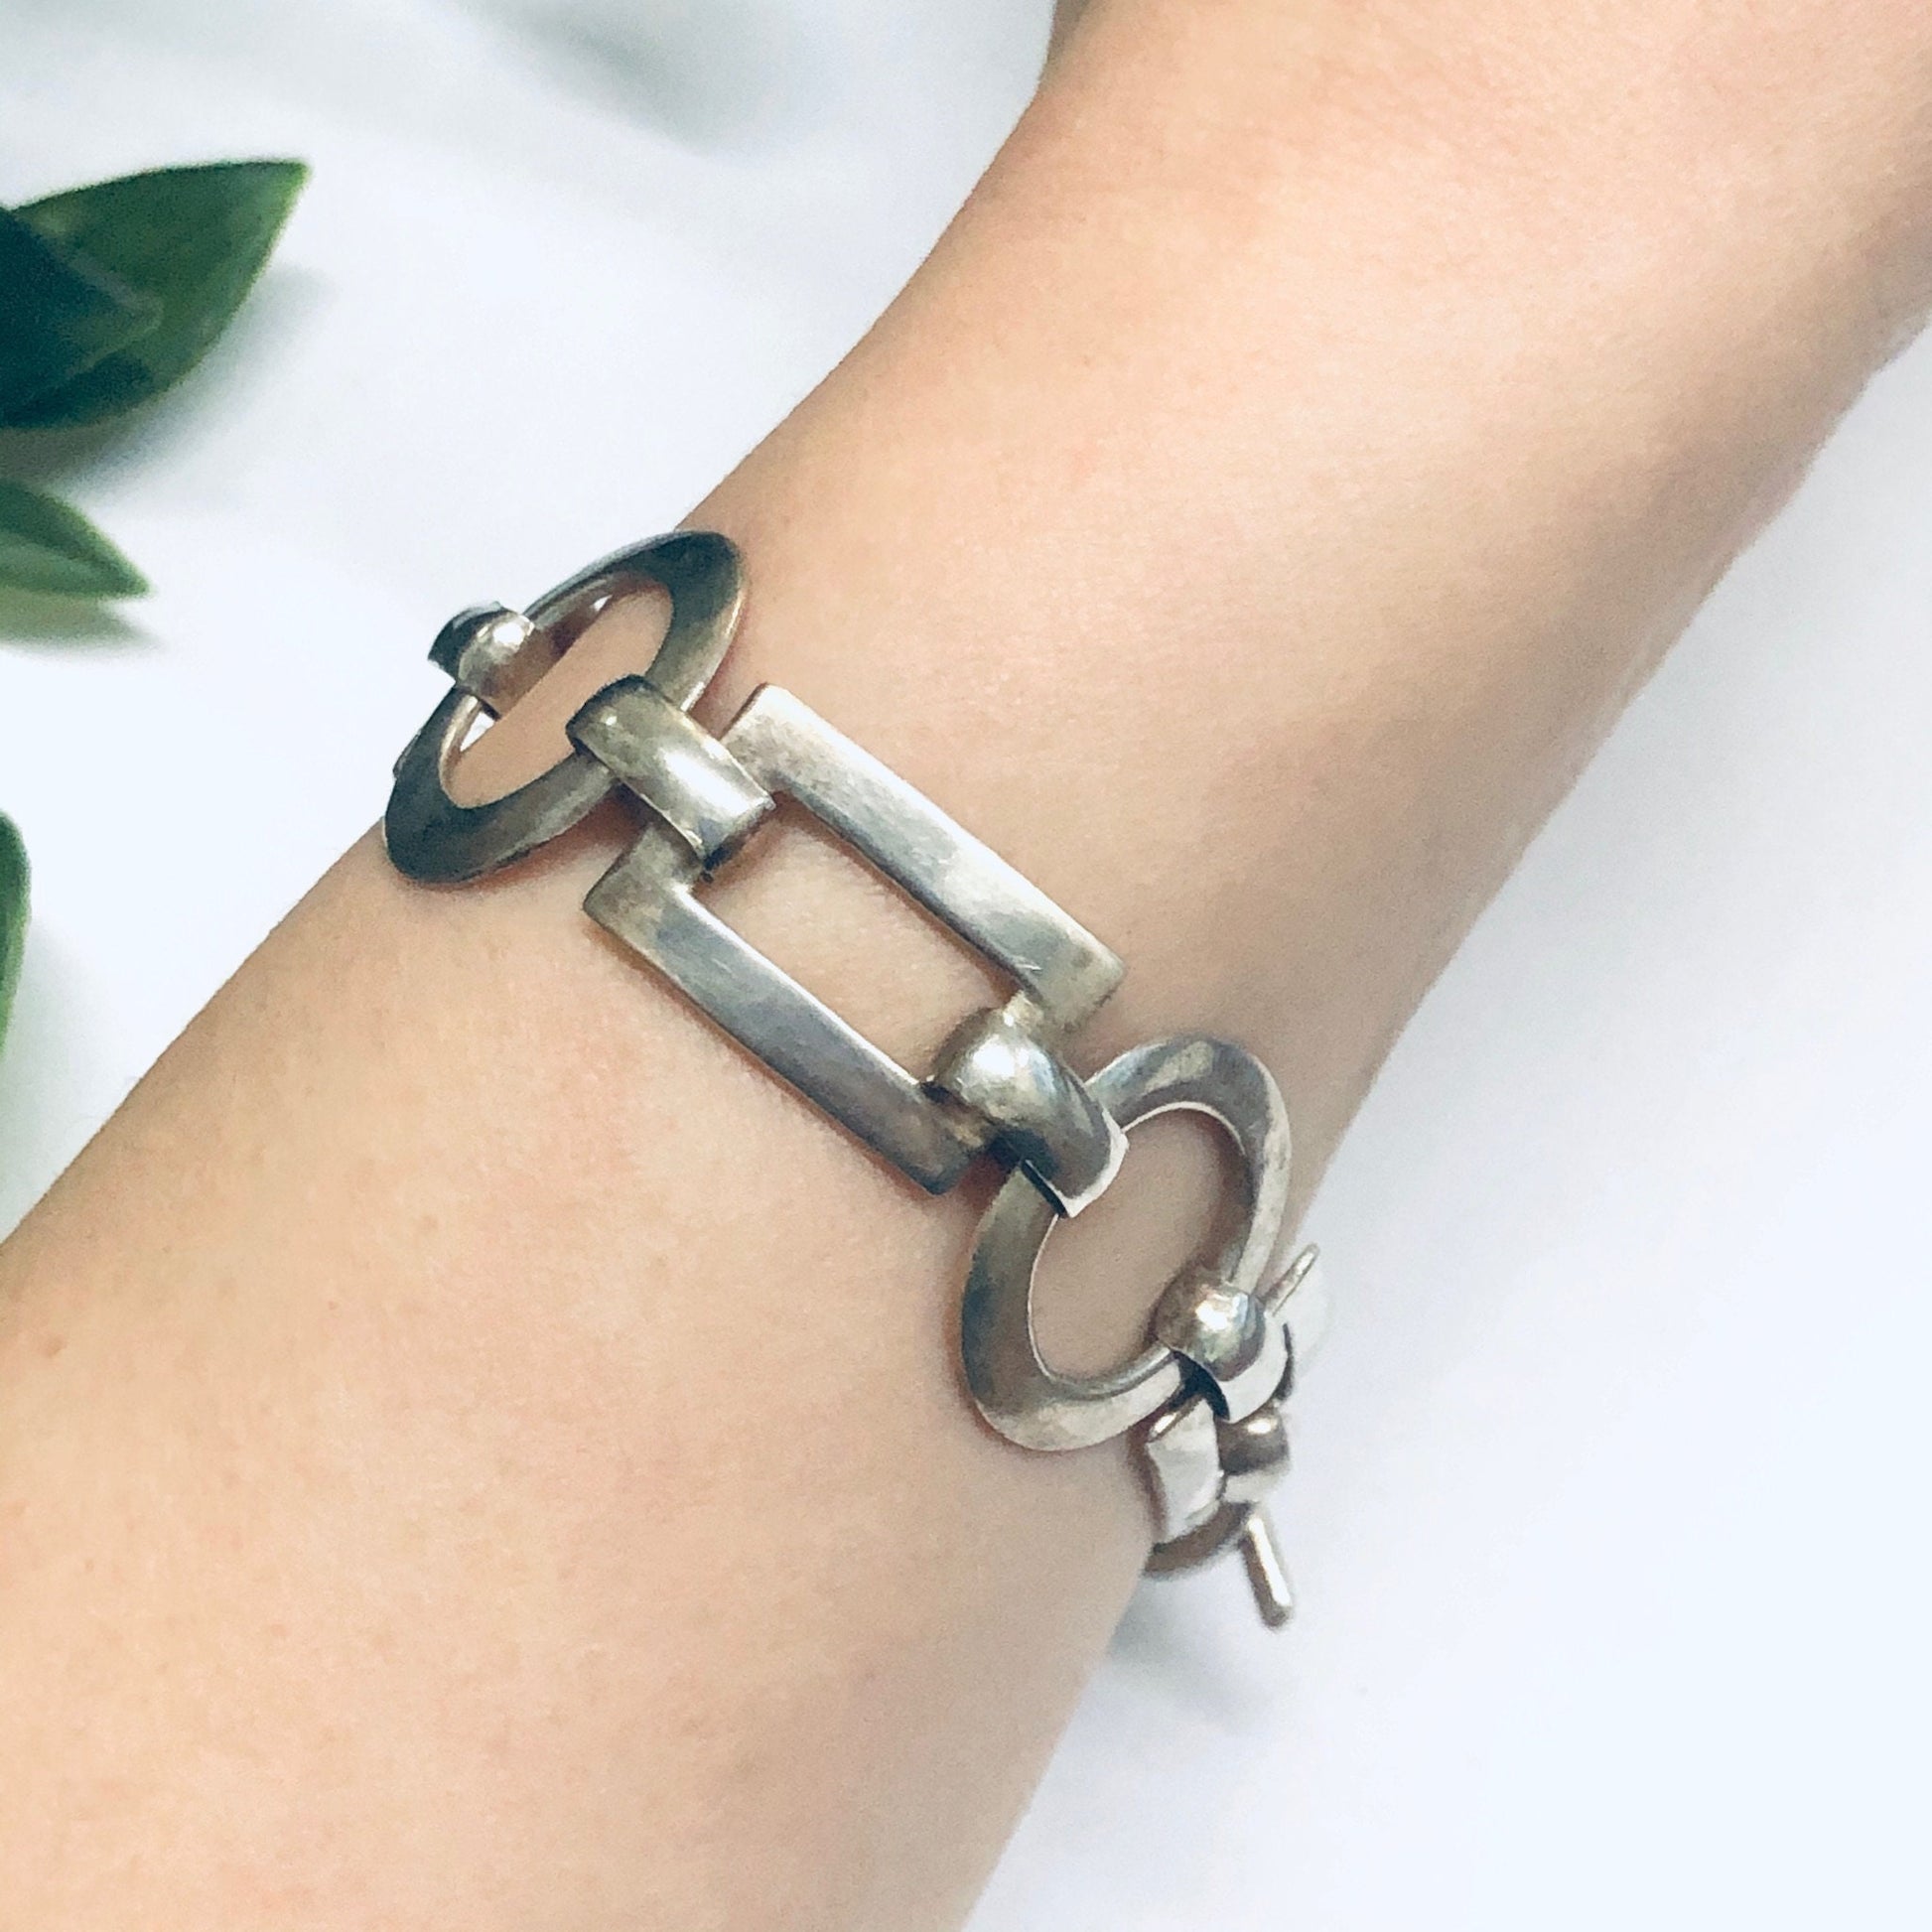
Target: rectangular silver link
(647, 900)
(674, 765)
(788, 748)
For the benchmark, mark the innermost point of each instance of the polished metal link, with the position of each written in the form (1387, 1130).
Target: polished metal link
(1203, 1400)
(650, 899)
(675, 767)
(1210, 1473)
(1225, 1333)
(1043, 1119)
(486, 650)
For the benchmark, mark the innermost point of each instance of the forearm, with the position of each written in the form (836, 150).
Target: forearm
(478, 1451)
(1328, 415)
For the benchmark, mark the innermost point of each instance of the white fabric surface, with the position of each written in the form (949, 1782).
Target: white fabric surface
(1609, 1516)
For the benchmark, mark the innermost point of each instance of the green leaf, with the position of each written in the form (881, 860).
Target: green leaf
(193, 240)
(13, 914)
(47, 547)
(59, 314)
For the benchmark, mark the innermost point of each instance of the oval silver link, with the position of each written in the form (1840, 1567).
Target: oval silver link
(433, 839)
(1036, 1406)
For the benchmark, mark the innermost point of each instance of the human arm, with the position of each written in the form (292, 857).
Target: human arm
(1332, 413)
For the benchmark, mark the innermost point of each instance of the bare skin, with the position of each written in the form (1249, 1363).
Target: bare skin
(474, 1451)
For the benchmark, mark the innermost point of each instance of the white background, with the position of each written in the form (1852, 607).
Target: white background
(1609, 1516)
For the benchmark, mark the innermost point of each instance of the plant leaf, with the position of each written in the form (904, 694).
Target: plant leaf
(193, 240)
(49, 547)
(13, 914)
(59, 314)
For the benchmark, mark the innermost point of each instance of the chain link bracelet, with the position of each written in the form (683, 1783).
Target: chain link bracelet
(1202, 1402)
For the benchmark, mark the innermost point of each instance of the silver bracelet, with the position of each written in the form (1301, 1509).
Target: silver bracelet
(1203, 1400)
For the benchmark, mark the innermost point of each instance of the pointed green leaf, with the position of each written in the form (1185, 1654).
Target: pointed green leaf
(59, 314)
(47, 547)
(13, 914)
(192, 238)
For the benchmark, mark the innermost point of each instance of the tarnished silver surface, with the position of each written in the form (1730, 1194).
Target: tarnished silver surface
(683, 773)
(1250, 1455)
(1204, 1397)
(429, 835)
(1243, 1527)
(1001, 912)
(1253, 1452)
(1226, 1333)
(1300, 1299)
(648, 899)
(487, 650)
(1184, 1458)
(1206, 1542)
(1036, 1406)
(1047, 1122)
(1268, 1578)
